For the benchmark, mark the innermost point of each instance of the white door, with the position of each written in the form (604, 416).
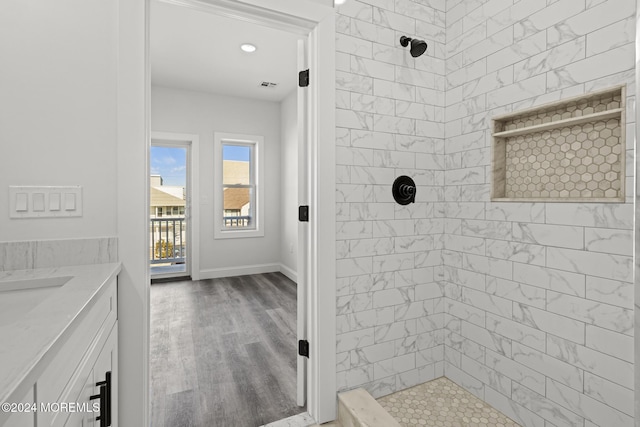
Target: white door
(303, 227)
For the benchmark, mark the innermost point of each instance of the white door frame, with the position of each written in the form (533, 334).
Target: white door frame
(303, 258)
(133, 183)
(192, 143)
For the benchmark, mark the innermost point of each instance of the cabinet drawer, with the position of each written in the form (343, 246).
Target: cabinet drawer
(59, 381)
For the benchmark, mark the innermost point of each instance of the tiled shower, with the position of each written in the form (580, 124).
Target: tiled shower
(527, 305)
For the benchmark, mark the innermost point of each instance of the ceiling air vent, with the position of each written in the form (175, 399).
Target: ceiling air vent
(268, 84)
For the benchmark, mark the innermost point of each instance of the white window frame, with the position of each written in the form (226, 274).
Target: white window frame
(257, 143)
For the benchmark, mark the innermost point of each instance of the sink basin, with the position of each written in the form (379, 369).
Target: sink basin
(31, 284)
(18, 297)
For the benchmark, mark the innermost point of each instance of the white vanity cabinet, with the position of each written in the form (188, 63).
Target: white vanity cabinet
(75, 369)
(82, 363)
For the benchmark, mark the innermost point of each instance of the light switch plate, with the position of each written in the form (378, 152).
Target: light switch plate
(45, 202)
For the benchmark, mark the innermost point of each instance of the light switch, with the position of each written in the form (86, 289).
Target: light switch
(38, 202)
(54, 201)
(31, 201)
(69, 202)
(22, 202)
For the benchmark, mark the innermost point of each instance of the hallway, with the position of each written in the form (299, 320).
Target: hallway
(223, 351)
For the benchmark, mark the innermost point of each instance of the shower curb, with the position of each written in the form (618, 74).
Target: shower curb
(357, 408)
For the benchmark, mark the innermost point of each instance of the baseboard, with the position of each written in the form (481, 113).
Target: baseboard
(241, 270)
(289, 273)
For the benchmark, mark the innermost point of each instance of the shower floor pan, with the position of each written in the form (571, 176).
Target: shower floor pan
(442, 403)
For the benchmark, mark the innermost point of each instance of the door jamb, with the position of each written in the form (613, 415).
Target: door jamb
(193, 242)
(322, 399)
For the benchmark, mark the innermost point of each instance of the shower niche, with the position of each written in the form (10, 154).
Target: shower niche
(567, 151)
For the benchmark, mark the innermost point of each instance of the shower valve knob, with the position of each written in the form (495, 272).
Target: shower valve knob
(407, 190)
(404, 190)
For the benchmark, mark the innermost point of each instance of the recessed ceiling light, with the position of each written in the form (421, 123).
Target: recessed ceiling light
(339, 2)
(248, 47)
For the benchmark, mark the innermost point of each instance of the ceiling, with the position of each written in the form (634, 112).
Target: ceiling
(200, 51)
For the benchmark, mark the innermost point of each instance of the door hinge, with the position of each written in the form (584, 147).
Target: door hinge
(303, 213)
(303, 348)
(303, 78)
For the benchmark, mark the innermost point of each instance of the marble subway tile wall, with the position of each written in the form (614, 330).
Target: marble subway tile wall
(390, 122)
(538, 296)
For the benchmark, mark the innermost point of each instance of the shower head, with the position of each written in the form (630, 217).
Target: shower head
(418, 47)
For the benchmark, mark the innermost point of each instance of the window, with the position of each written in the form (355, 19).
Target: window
(237, 200)
(238, 188)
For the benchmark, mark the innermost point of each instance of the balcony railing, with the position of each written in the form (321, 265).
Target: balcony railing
(236, 221)
(168, 240)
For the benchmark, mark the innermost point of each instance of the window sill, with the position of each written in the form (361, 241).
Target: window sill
(237, 234)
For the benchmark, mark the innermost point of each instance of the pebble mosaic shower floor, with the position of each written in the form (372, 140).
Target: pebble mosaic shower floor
(442, 403)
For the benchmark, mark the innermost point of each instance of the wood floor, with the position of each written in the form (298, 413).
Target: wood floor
(223, 351)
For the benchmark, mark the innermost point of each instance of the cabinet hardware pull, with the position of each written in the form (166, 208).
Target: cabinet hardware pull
(103, 405)
(107, 384)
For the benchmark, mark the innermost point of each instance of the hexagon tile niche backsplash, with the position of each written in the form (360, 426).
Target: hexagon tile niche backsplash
(567, 151)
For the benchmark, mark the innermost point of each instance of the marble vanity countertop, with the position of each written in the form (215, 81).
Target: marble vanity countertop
(25, 341)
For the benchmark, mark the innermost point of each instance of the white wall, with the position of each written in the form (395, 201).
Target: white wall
(289, 183)
(133, 216)
(175, 110)
(60, 125)
(58, 111)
